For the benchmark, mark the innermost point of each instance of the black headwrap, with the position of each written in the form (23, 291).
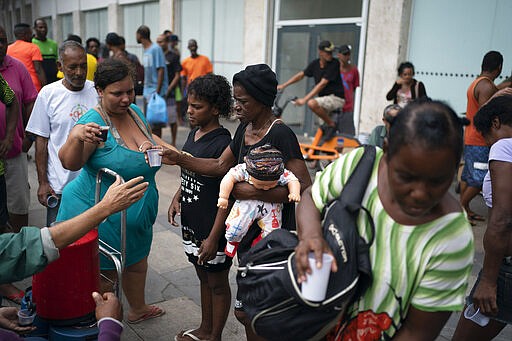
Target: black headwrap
(264, 163)
(259, 81)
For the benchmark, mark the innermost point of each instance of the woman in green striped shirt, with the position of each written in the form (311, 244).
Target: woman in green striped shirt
(423, 249)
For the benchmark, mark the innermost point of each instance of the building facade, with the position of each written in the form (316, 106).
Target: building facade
(445, 40)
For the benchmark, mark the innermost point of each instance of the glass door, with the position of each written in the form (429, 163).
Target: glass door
(296, 47)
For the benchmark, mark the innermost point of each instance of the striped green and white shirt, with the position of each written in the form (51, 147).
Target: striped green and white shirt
(426, 265)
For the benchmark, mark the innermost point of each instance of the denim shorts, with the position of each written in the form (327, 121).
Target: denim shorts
(504, 293)
(475, 165)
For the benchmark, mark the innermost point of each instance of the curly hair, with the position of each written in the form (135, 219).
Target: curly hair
(215, 90)
(499, 107)
(111, 71)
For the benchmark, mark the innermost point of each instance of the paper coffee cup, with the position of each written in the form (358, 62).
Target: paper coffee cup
(154, 157)
(315, 287)
(473, 314)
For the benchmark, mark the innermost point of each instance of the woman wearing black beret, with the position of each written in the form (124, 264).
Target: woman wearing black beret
(254, 91)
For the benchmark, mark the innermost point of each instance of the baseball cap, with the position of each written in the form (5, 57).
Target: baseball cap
(174, 38)
(344, 49)
(326, 46)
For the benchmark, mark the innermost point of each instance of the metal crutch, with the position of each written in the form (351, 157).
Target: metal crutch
(118, 257)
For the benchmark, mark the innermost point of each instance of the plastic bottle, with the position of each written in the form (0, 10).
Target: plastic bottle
(339, 145)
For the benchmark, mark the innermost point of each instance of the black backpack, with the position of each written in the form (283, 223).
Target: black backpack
(266, 276)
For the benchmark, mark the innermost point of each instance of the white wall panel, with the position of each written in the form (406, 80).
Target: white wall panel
(448, 40)
(67, 6)
(87, 5)
(218, 27)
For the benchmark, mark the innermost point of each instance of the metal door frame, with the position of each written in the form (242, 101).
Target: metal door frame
(358, 21)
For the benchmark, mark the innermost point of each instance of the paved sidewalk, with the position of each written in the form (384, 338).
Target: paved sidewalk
(172, 282)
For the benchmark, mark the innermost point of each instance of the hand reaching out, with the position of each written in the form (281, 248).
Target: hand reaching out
(87, 132)
(120, 196)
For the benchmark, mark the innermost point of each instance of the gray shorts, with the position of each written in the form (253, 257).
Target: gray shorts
(171, 110)
(16, 181)
(330, 102)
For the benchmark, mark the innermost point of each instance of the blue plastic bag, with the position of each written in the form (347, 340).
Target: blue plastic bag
(157, 110)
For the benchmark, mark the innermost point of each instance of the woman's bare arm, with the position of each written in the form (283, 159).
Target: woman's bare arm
(81, 143)
(497, 237)
(209, 167)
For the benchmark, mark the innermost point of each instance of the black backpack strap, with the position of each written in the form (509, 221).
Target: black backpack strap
(354, 189)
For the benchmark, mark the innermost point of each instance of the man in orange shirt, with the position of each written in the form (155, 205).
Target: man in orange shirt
(28, 53)
(196, 65)
(476, 152)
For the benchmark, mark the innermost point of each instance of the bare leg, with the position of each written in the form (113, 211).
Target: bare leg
(463, 187)
(215, 304)
(134, 285)
(244, 319)
(174, 132)
(179, 116)
(157, 131)
(320, 112)
(221, 298)
(466, 196)
(467, 330)
(17, 221)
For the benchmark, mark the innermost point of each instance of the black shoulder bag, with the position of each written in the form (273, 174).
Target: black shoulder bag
(266, 276)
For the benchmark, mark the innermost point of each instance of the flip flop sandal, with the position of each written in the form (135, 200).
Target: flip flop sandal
(152, 313)
(16, 298)
(476, 217)
(189, 334)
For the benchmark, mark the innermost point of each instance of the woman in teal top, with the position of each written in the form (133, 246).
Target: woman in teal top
(123, 152)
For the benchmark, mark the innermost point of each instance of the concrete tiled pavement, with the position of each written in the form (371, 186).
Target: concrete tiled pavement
(172, 282)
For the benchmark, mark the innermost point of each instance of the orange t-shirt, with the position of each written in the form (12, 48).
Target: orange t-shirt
(27, 53)
(196, 67)
(471, 136)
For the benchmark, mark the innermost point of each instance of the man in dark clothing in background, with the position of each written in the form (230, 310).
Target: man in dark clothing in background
(326, 72)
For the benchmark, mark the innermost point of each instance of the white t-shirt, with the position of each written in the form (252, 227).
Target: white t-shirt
(55, 112)
(501, 150)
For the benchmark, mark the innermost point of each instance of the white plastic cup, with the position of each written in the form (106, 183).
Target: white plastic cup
(476, 316)
(52, 201)
(154, 157)
(25, 318)
(315, 287)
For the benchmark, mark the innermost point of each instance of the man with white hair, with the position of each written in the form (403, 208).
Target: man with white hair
(58, 106)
